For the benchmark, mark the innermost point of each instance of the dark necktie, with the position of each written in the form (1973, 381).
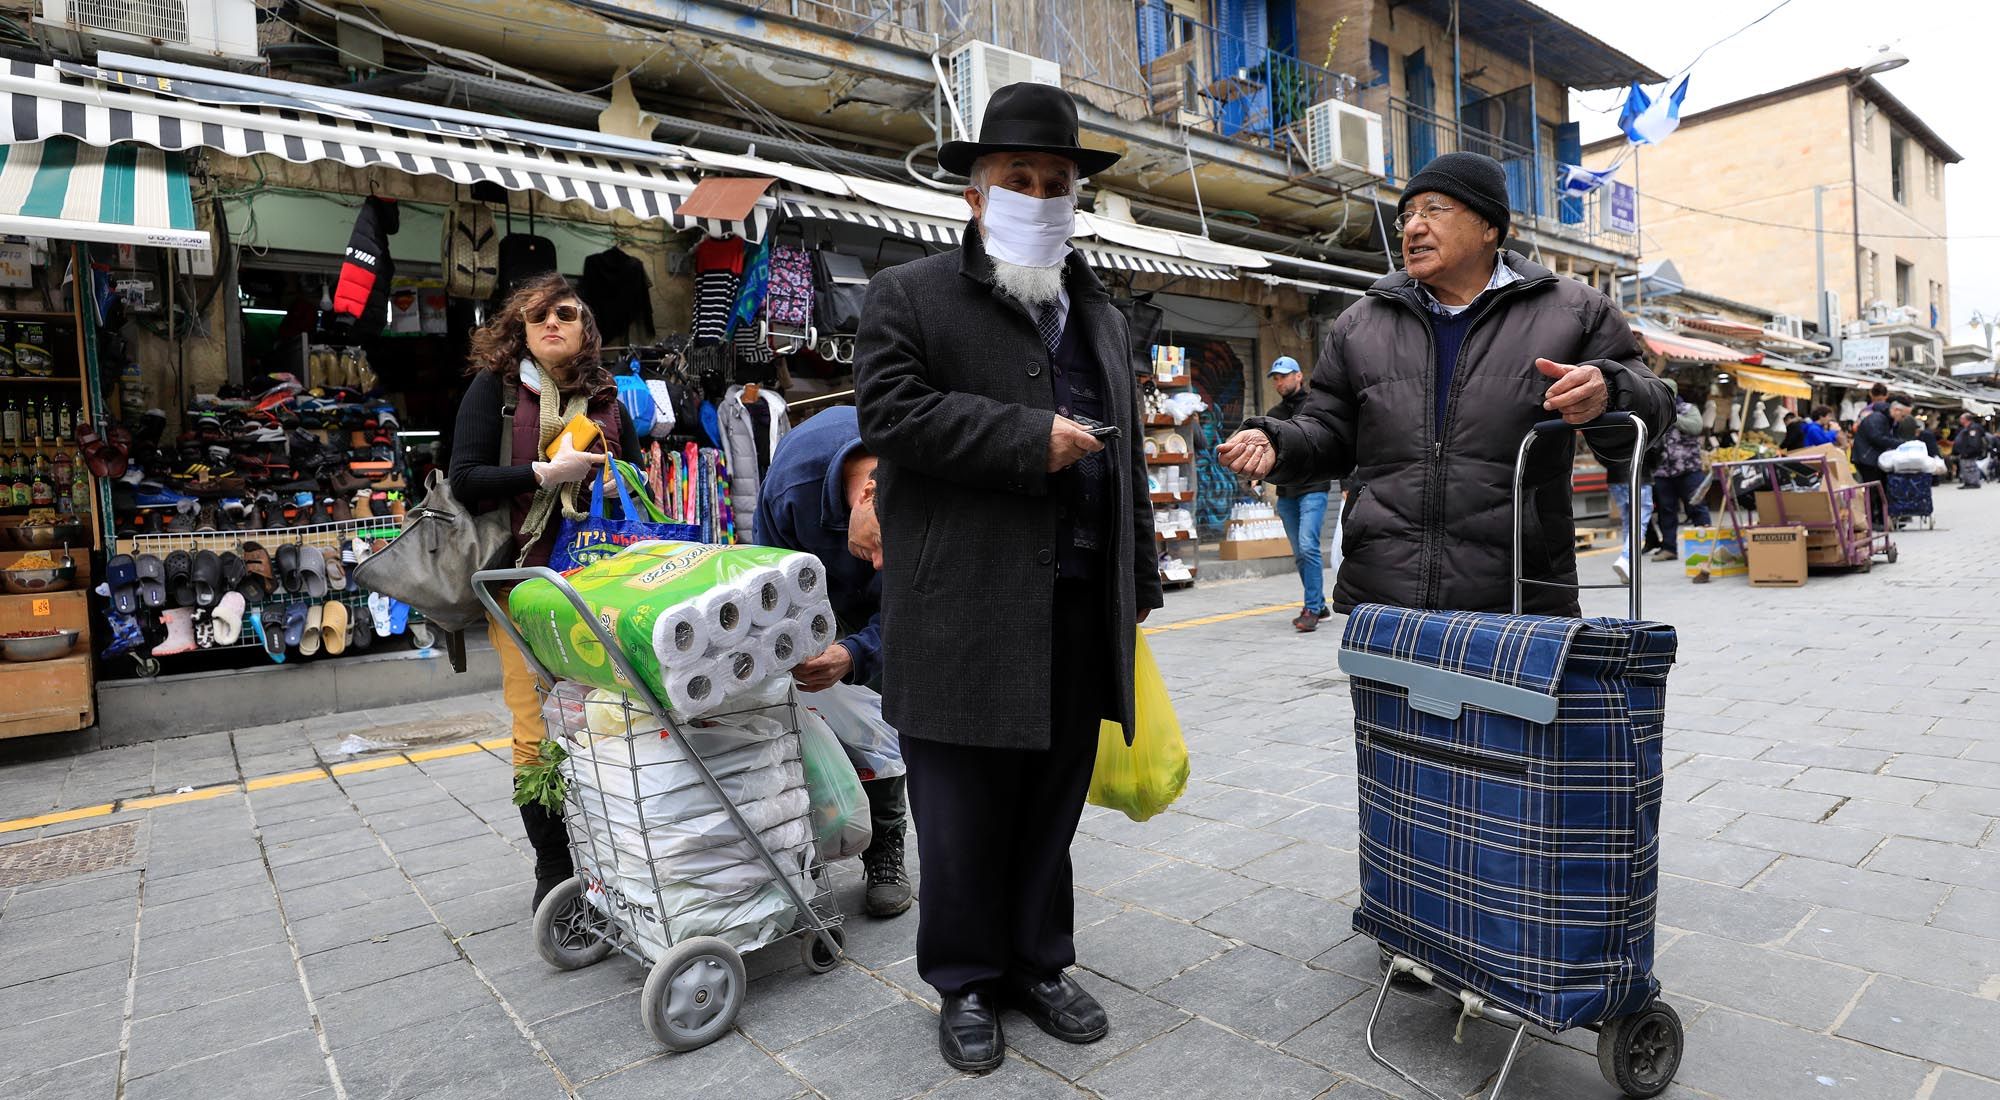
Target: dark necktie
(1049, 321)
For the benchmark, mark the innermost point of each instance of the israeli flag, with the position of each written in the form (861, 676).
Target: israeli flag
(1578, 181)
(1648, 121)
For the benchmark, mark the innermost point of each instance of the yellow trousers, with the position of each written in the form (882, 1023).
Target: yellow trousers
(517, 686)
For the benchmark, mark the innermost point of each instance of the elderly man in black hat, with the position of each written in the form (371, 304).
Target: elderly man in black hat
(1424, 390)
(994, 384)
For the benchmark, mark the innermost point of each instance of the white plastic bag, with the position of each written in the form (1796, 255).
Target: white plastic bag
(855, 716)
(839, 808)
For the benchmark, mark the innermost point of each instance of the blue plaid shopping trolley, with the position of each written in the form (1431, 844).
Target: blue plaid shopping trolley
(1509, 771)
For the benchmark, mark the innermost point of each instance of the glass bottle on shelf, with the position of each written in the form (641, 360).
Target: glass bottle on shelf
(79, 486)
(10, 421)
(62, 470)
(19, 494)
(31, 423)
(41, 493)
(48, 420)
(65, 422)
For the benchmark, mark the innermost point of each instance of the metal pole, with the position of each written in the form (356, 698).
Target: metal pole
(1638, 235)
(1819, 252)
(1535, 134)
(1457, 89)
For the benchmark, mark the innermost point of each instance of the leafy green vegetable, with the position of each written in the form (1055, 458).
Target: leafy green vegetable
(542, 781)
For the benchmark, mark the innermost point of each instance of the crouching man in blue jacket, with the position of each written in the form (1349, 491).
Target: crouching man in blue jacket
(819, 498)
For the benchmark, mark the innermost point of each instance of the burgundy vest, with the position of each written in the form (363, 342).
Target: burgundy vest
(527, 439)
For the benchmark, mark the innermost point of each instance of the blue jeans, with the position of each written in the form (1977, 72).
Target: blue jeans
(1303, 517)
(1622, 493)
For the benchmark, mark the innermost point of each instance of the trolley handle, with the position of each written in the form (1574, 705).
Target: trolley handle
(1608, 420)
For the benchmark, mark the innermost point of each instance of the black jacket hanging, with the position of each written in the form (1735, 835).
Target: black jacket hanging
(361, 297)
(617, 291)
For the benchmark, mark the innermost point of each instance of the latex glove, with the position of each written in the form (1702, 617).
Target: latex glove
(568, 467)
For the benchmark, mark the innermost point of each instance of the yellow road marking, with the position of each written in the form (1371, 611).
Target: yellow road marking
(355, 767)
(1222, 618)
(199, 794)
(285, 779)
(56, 818)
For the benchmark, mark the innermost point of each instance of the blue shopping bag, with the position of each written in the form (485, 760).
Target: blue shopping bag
(582, 541)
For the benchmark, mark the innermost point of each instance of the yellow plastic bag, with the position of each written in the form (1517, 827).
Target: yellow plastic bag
(1145, 777)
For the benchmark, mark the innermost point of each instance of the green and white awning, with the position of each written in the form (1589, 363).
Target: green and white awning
(123, 194)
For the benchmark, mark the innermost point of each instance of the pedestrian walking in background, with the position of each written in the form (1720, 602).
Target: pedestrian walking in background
(995, 386)
(1875, 436)
(819, 497)
(1820, 429)
(535, 368)
(1425, 389)
(1302, 508)
(1970, 447)
(1678, 477)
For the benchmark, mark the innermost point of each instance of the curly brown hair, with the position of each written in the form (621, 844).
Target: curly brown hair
(502, 342)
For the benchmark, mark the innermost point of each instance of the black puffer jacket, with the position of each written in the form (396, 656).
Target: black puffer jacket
(1432, 525)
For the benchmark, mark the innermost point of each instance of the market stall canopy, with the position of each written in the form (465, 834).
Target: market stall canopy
(1749, 333)
(126, 194)
(1780, 383)
(302, 123)
(1689, 349)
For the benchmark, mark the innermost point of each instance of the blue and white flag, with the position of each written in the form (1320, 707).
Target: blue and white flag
(1578, 180)
(1648, 121)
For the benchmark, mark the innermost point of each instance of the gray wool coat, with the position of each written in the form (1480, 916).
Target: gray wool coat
(955, 394)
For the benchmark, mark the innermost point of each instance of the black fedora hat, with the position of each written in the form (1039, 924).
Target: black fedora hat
(1027, 118)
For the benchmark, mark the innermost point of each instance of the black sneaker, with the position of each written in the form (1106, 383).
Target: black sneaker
(889, 890)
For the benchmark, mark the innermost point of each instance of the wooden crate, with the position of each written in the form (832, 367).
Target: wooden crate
(47, 696)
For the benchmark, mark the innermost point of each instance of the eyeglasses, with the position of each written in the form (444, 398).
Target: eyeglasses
(567, 314)
(1430, 213)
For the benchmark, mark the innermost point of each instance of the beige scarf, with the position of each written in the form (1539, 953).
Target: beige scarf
(552, 416)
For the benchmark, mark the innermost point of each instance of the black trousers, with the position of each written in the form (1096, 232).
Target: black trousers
(994, 825)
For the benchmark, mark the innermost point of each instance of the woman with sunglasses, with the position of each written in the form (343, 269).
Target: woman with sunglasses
(540, 350)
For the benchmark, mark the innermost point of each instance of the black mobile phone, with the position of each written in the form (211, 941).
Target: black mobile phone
(1103, 431)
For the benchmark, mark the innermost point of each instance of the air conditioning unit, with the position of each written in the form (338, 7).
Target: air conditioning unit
(1344, 142)
(978, 69)
(209, 29)
(1785, 324)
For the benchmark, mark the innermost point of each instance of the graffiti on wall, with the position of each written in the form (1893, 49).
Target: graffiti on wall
(1218, 378)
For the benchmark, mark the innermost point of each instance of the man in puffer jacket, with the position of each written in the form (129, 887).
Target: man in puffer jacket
(1424, 390)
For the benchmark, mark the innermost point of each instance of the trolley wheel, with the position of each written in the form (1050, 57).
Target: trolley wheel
(693, 994)
(814, 953)
(148, 667)
(1892, 553)
(1641, 1052)
(568, 932)
(422, 635)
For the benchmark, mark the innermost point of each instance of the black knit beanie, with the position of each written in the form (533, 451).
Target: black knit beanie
(1474, 179)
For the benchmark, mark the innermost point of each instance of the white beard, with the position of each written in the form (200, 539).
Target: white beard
(1031, 286)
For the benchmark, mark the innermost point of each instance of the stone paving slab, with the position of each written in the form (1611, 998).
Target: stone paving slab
(1829, 917)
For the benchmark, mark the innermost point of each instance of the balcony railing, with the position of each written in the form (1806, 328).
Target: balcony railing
(1414, 134)
(1201, 76)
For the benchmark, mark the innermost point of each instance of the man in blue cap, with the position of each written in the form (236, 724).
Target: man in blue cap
(1302, 507)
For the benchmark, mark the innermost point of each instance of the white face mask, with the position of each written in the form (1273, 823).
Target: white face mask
(1027, 231)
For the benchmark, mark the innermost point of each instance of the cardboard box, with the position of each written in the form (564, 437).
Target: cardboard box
(1814, 507)
(1843, 471)
(1777, 556)
(1718, 549)
(1823, 547)
(1246, 549)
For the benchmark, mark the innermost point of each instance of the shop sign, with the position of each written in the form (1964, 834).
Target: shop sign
(1865, 353)
(1974, 369)
(17, 263)
(1621, 207)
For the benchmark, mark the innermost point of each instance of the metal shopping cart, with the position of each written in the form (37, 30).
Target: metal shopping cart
(671, 871)
(1510, 773)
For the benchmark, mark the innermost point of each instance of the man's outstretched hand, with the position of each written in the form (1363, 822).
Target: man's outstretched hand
(1248, 452)
(1578, 394)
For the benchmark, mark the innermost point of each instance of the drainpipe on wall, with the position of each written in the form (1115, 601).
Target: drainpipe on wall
(1457, 85)
(1854, 200)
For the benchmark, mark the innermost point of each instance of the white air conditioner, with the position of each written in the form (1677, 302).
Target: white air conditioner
(978, 69)
(1785, 324)
(1344, 142)
(208, 29)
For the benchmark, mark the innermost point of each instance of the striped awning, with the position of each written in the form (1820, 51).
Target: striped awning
(1771, 380)
(934, 231)
(123, 195)
(107, 108)
(1689, 349)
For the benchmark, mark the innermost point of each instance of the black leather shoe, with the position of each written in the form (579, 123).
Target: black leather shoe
(969, 1032)
(1062, 1008)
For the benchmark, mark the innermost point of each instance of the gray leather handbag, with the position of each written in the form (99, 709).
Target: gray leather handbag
(430, 564)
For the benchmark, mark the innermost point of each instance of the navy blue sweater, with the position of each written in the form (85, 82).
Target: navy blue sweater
(802, 505)
(1448, 334)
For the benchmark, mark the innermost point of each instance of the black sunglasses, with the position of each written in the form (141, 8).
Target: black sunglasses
(567, 314)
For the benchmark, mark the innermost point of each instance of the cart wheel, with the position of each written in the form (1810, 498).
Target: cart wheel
(568, 932)
(693, 994)
(149, 667)
(1892, 553)
(1641, 1052)
(814, 954)
(422, 636)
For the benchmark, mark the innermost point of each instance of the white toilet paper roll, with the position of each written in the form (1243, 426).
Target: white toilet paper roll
(767, 594)
(780, 643)
(695, 688)
(728, 615)
(742, 667)
(816, 627)
(682, 636)
(805, 577)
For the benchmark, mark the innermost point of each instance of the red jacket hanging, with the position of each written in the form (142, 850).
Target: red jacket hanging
(365, 275)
